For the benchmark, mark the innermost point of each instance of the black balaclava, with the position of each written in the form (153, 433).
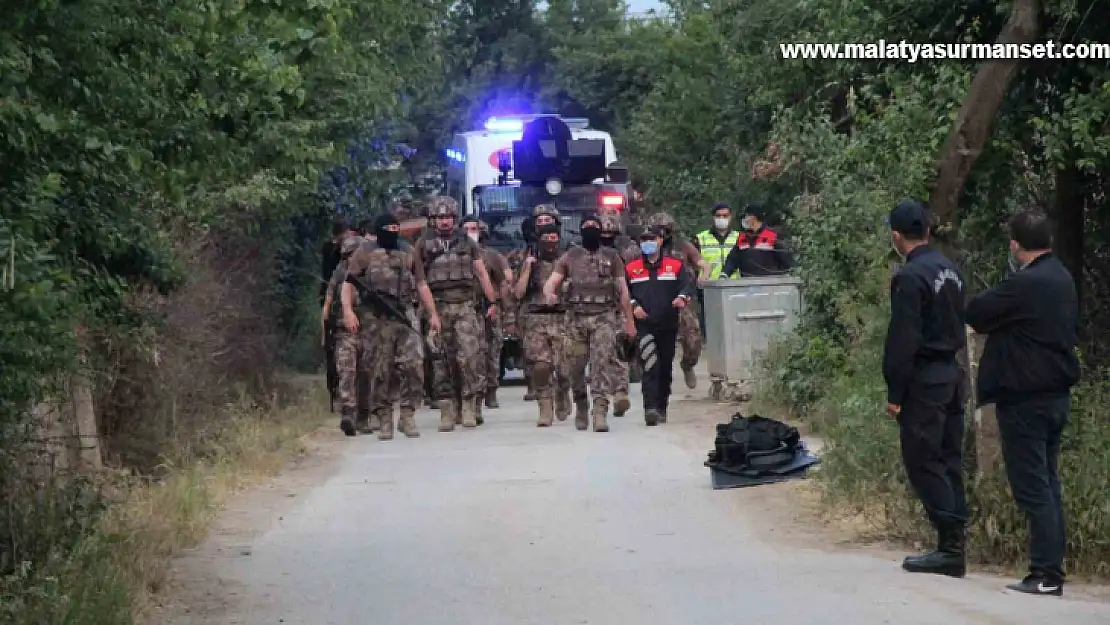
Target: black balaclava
(591, 235)
(387, 239)
(548, 250)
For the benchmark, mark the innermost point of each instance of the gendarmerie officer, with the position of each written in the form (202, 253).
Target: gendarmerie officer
(1027, 370)
(925, 383)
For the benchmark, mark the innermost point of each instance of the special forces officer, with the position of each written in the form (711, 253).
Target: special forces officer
(925, 390)
(545, 333)
(352, 351)
(382, 276)
(689, 331)
(452, 262)
(542, 215)
(613, 238)
(502, 276)
(596, 296)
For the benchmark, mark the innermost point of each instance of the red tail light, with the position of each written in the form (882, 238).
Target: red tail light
(612, 200)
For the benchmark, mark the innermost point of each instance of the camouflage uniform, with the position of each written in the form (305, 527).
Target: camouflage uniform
(612, 237)
(352, 351)
(499, 272)
(516, 317)
(592, 326)
(396, 355)
(689, 329)
(545, 341)
(449, 268)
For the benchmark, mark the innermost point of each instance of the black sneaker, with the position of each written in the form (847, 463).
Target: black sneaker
(651, 417)
(1038, 585)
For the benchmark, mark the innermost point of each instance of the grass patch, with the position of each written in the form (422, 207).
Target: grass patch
(110, 576)
(862, 477)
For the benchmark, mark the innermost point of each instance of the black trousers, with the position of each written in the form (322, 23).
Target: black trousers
(1030, 433)
(657, 361)
(931, 428)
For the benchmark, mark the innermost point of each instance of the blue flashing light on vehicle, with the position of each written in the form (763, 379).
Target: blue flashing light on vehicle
(494, 124)
(455, 155)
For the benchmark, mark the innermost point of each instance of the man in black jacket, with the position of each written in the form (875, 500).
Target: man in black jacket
(660, 286)
(1027, 370)
(925, 389)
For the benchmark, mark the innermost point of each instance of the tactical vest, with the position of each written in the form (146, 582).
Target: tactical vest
(449, 268)
(387, 275)
(714, 252)
(592, 289)
(541, 271)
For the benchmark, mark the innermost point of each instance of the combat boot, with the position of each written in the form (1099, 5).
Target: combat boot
(407, 423)
(547, 412)
(469, 413)
(362, 422)
(621, 405)
(690, 377)
(581, 414)
(491, 399)
(600, 414)
(385, 421)
(949, 558)
(562, 404)
(479, 401)
(347, 424)
(448, 414)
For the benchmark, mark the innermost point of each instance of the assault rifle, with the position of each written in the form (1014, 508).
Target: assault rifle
(385, 309)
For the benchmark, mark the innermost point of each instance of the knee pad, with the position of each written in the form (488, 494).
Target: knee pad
(541, 373)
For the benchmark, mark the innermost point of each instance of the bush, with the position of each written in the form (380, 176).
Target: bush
(85, 562)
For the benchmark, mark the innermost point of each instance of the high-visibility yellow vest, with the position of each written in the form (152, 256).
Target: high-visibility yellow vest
(715, 252)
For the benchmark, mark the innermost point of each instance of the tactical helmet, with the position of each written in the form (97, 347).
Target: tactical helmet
(661, 219)
(443, 206)
(626, 347)
(545, 209)
(610, 223)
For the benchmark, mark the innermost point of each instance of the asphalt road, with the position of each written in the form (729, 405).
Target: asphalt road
(512, 524)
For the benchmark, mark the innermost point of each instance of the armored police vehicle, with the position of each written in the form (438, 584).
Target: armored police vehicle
(517, 162)
(531, 160)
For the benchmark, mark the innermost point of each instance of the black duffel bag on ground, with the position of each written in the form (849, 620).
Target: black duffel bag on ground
(752, 445)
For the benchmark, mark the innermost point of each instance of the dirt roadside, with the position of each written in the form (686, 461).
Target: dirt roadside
(791, 512)
(195, 592)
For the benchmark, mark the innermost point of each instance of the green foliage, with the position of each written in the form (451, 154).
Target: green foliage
(695, 101)
(152, 149)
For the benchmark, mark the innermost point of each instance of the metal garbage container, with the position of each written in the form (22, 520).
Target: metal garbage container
(741, 318)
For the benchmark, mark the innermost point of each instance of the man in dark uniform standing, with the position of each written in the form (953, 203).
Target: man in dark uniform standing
(925, 383)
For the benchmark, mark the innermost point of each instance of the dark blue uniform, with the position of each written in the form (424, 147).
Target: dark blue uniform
(924, 378)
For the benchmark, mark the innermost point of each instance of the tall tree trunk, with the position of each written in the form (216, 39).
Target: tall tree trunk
(967, 138)
(1068, 211)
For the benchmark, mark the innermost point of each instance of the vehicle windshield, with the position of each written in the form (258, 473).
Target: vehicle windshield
(505, 234)
(505, 209)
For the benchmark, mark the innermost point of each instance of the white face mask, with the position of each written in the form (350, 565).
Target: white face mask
(746, 223)
(473, 236)
(721, 223)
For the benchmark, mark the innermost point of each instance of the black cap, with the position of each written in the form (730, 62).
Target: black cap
(909, 217)
(591, 217)
(756, 210)
(721, 205)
